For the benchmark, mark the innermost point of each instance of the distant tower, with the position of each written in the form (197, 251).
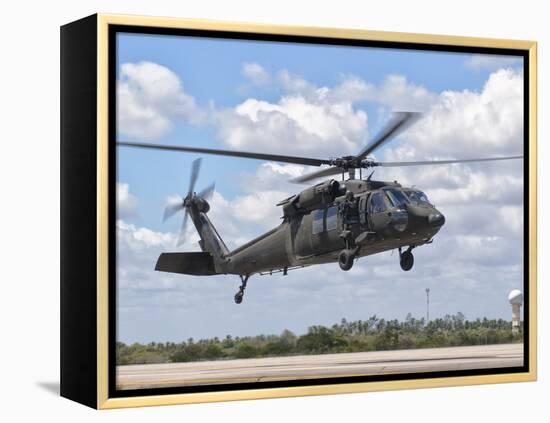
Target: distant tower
(427, 305)
(516, 300)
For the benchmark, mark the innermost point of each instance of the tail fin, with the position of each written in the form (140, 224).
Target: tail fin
(211, 241)
(210, 261)
(201, 264)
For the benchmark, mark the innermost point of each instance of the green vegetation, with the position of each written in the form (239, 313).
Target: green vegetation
(373, 334)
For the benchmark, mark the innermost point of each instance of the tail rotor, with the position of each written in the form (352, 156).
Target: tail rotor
(190, 200)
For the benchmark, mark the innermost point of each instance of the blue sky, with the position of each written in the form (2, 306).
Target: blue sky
(229, 89)
(211, 69)
(213, 66)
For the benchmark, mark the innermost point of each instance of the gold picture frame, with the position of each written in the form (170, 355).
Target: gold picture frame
(99, 26)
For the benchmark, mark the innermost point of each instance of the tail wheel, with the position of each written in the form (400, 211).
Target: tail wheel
(240, 293)
(345, 259)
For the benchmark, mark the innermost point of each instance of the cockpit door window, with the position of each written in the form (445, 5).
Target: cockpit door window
(332, 218)
(363, 209)
(317, 221)
(378, 203)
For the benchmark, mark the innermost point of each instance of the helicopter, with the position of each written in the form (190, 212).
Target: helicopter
(336, 220)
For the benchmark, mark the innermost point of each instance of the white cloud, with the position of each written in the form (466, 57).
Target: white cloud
(270, 176)
(255, 73)
(306, 118)
(468, 124)
(126, 201)
(295, 84)
(234, 232)
(254, 210)
(491, 61)
(293, 124)
(311, 119)
(395, 91)
(489, 122)
(137, 251)
(146, 238)
(237, 220)
(481, 186)
(149, 98)
(256, 207)
(259, 208)
(512, 217)
(273, 176)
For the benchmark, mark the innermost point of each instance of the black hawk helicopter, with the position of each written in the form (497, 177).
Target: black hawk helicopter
(332, 221)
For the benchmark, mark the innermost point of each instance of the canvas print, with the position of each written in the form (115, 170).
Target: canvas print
(291, 211)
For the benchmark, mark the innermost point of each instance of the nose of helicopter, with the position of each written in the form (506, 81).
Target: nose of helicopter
(436, 218)
(425, 217)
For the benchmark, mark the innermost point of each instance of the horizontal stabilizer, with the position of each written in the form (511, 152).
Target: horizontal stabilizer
(199, 264)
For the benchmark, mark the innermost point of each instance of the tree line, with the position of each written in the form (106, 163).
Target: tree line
(373, 334)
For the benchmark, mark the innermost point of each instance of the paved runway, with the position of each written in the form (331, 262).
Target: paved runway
(315, 366)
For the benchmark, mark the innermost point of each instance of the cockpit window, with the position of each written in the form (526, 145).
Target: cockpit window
(377, 203)
(418, 196)
(397, 197)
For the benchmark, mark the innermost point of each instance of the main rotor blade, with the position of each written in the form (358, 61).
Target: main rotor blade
(440, 162)
(171, 210)
(195, 168)
(335, 170)
(207, 192)
(181, 237)
(247, 155)
(399, 122)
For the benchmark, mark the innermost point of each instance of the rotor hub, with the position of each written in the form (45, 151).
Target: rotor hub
(351, 162)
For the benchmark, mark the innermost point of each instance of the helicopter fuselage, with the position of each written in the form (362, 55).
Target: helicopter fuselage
(363, 217)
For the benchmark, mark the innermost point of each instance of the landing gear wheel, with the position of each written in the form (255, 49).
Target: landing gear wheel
(240, 293)
(406, 261)
(345, 259)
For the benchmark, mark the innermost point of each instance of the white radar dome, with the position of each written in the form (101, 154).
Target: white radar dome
(515, 297)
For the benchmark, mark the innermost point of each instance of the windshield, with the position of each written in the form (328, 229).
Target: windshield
(418, 196)
(377, 203)
(397, 197)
